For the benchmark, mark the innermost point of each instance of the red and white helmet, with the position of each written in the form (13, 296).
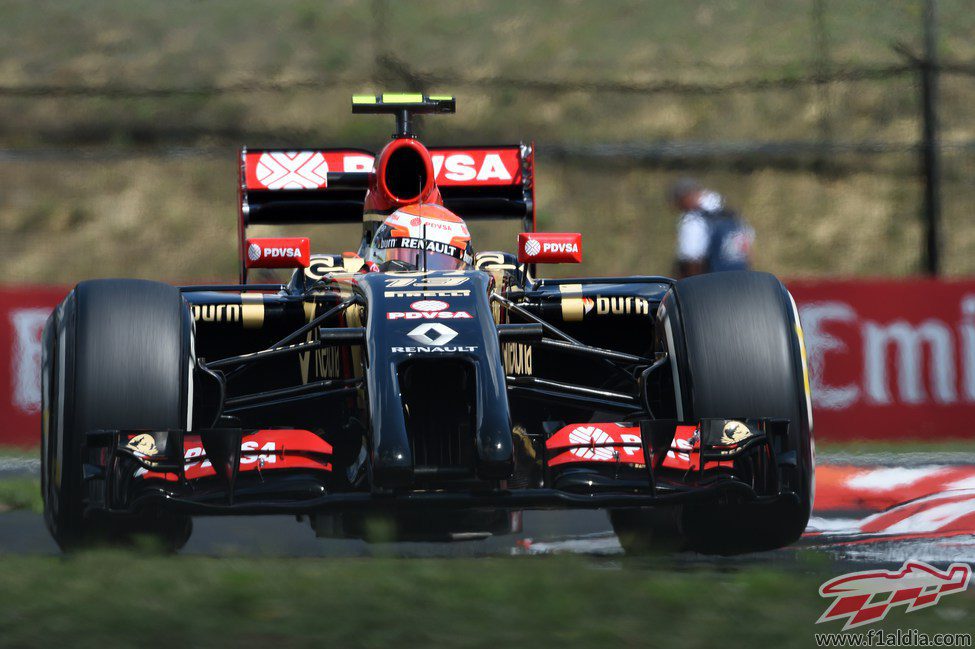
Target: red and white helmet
(425, 236)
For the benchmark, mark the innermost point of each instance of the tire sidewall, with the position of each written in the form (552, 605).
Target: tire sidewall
(65, 486)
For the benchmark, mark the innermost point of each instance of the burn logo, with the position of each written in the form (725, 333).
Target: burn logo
(517, 358)
(622, 306)
(231, 313)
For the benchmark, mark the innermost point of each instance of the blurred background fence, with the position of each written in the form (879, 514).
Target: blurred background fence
(119, 121)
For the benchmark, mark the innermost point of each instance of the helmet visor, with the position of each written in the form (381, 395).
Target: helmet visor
(421, 253)
(416, 259)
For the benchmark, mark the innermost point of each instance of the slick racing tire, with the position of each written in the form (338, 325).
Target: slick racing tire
(117, 354)
(736, 351)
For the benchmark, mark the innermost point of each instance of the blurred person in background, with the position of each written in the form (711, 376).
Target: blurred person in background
(710, 237)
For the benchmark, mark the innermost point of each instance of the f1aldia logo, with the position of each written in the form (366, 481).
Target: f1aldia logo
(866, 597)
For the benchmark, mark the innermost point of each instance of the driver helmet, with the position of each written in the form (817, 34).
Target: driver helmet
(421, 237)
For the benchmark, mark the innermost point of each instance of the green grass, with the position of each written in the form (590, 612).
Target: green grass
(21, 493)
(134, 598)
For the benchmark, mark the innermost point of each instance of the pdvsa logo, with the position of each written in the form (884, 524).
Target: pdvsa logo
(532, 247)
(560, 247)
(550, 247)
(275, 253)
(278, 252)
(462, 167)
(292, 170)
(256, 252)
(429, 305)
(428, 310)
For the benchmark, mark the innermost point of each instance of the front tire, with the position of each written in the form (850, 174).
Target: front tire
(117, 354)
(736, 352)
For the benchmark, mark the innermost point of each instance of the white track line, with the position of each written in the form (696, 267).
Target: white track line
(896, 459)
(19, 465)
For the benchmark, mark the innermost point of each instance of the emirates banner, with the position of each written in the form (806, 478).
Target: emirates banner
(887, 358)
(23, 312)
(890, 358)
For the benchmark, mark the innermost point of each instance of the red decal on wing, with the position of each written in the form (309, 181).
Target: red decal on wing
(262, 450)
(596, 443)
(499, 166)
(304, 169)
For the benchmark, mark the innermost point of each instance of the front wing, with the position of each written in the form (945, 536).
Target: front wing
(583, 466)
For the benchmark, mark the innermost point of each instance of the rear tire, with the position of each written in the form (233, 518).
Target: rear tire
(117, 354)
(736, 351)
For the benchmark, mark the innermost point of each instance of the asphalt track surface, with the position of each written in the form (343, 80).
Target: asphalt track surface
(875, 508)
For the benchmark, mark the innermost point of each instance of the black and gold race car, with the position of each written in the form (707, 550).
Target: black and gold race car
(444, 399)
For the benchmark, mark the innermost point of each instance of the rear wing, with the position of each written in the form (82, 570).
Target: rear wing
(283, 187)
(280, 186)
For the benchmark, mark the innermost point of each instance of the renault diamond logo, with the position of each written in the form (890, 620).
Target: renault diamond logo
(433, 333)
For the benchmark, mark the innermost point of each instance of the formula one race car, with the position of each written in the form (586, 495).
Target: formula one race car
(418, 382)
